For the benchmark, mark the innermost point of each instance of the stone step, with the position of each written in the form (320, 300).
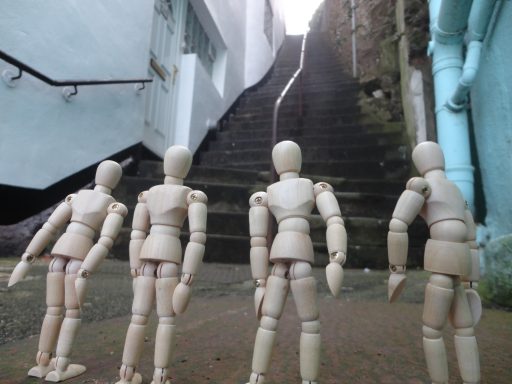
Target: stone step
(310, 117)
(341, 92)
(310, 153)
(367, 169)
(320, 109)
(309, 97)
(201, 173)
(313, 141)
(306, 122)
(290, 133)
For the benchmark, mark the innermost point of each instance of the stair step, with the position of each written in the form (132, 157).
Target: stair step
(154, 169)
(394, 169)
(287, 133)
(313, 141)
(310, 153)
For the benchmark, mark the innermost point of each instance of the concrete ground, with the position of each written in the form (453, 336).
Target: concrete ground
(365, 339)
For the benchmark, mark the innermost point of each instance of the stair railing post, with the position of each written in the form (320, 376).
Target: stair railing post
(273, 142)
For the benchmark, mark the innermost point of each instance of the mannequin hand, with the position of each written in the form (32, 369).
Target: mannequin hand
(396, 284)
(475, 304)
(181, 298)
(21, 269)
(334, 275)
(81, 286)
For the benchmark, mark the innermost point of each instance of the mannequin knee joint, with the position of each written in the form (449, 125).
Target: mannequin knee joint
(268, 323)
(431, 333)
(311, 326)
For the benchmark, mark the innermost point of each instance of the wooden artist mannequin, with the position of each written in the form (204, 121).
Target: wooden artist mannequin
(451, 256)
(291, 201)
(155, 260)
(75, 257)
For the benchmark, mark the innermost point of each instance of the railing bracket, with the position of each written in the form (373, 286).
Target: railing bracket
(69, 92)
(9, 78)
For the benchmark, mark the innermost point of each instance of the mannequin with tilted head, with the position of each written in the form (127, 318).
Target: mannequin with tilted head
(451, 256)
(290, 201)
(155, 259)
(75, 258)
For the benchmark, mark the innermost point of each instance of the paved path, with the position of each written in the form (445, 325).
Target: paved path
(365, 340)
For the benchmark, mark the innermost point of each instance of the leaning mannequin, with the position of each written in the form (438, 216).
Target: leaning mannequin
(451, 256)
(75, 258)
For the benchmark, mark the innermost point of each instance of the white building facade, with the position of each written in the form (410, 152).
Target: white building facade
(201, 55)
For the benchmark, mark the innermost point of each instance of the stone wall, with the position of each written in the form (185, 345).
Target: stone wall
(392, 66)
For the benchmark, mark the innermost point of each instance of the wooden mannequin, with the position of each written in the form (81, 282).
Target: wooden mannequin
(291, 201)
(451, 256)
(155, 260)
(75, 257)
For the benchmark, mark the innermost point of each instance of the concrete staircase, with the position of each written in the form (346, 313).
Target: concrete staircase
(366, 163)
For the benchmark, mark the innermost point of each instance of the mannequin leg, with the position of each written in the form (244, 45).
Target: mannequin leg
(466, 346)
(53, 318)
(303, 286)
(143, 300)
(438, 299)
(63, 369)
(272, 309)
(165, 341)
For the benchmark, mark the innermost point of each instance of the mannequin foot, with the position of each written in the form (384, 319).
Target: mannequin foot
(161, 376)
(136, 379)
(256, 378)
(64, 370)
(41, 370)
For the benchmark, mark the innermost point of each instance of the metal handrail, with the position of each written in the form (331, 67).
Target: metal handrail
(22, 67)
(298, 73)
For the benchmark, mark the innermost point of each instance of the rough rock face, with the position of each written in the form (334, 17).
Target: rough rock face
(378, 35)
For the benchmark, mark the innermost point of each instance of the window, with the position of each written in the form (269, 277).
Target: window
(198, 42)
(268, 26)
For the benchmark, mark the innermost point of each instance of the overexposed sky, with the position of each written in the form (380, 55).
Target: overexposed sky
(298, 13)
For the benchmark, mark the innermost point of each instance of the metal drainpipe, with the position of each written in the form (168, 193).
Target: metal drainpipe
(354, 40)
(478, 23)
(448, 24)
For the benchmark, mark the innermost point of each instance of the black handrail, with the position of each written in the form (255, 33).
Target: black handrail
(22, 67)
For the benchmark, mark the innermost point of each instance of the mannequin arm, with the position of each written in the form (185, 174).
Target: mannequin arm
(470, 281)
(336, 235)
(109, 232)
(194, 252)
(140, 228)
(407, 208)
(56, 221)
(258, 229)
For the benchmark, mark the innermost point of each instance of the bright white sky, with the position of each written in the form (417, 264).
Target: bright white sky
(298, 13)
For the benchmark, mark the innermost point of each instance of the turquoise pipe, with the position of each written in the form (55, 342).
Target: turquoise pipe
(478, 23)
(449, 19)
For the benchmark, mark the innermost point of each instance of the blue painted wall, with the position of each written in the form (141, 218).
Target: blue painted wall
(491, 99)
(43, 137)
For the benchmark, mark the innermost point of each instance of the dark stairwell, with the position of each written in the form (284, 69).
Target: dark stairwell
(366, 163)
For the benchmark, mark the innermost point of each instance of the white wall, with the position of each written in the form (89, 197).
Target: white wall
(238, 27)
(259, 54)
(44, 138)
